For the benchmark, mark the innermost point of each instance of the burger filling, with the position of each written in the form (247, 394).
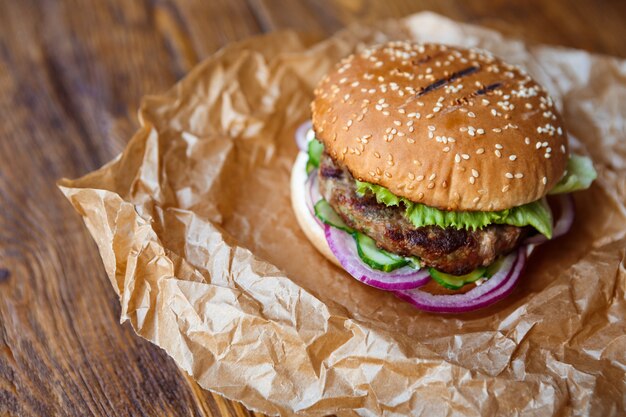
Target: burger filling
(451, 250)
(464, 246)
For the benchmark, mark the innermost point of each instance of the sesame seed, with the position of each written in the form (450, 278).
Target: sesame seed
(431, 185)
(519, 175)
(474, 173)
(472, 180)
(465, 156)
(471, 114)
(420, 178)
(349, 123)
(498, 146)
(420, 195)
(508, 175)
(496, 129)
(544, 180)
(397, 123)
(385, 113)
(527, 141)
(476, 199)
(376, 154)
(480, 131)
(538, 145)
(546, 155)
(480, 151)
(411, 176)
(512, 157)
(446, 149)
(505, 188)
(431, 128)
(457, 158)
(498, 153)
(388, 175)
(562, 148)
(432, 177)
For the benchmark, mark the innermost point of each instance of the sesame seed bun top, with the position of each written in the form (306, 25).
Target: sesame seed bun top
(448, 127)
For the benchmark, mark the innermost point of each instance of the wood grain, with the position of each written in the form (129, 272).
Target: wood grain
(72, 74)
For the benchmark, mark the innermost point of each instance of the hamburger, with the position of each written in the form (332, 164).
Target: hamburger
(433, 171)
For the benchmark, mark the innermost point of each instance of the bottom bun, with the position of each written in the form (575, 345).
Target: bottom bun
(308, 223)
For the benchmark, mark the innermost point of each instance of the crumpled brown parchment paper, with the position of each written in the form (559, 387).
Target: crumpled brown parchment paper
(195, 228)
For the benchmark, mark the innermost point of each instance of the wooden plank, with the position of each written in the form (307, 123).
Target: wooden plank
(71, 77)
(72, 74)
(593, 26)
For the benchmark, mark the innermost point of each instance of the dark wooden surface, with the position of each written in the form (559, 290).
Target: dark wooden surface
(72, 73)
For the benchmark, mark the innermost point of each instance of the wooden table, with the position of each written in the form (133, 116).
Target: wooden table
(72, 74)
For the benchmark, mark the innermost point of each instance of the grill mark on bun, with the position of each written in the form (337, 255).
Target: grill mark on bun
(426, 59)
(443, 81)
(487, 89)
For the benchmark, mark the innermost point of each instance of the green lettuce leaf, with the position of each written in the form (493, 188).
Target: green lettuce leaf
(315, 149)
(536, 214)
(578, 175)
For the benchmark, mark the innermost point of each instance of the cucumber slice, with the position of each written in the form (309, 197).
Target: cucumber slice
(414, 262)
(315, 149)
(329, 216)
(375, 257)
(454, 282)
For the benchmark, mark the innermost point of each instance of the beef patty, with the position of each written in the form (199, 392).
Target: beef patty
(454, 251)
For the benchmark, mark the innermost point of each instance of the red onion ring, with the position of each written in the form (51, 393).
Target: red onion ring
(496, 288)
(562, 224)
(312, 194)
(300, 135)
(343, 246)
